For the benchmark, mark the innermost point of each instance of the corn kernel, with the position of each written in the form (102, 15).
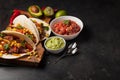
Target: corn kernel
(0, 38)
(11, 44)
(26, 30)
(1, 46)
(31, 32)
(36, 56)
(27, 50)
(2, 42)
(1, 54)
(15, 44)
(14, 29)
(47, 35)
(15, 54)
(29, 57)
(2, 51)
(8, 28)
(6, 40)
(34, 53)
(18, 45)
(31, 54)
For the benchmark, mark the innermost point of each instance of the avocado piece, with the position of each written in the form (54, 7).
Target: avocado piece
(48, 11)
(35, 11)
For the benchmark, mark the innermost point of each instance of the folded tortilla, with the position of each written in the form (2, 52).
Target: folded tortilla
(43, 28)
(14, 45)
(25, 26)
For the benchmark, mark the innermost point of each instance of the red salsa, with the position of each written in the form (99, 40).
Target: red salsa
(66, 27)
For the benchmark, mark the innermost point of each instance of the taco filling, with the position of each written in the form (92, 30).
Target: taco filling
(41, 28)
(10, 44)
(23, 30)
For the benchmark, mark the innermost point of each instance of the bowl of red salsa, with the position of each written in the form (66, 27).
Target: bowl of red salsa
(68, 27)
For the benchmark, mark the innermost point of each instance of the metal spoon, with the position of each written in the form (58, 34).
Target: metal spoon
(72, 45)
(71, 50)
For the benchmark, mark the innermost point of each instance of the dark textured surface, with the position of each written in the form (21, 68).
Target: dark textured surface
(98, 57)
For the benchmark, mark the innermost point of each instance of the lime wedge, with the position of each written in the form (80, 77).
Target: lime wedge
(60, 13)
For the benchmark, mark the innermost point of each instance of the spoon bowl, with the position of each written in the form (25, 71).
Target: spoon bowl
(71, 50)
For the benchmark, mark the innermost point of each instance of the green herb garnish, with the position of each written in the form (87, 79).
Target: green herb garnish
(46, 28)
(1, 35)
(67, 22)
(20, 27)
(23, 43)
(30, 36)
(6, 46)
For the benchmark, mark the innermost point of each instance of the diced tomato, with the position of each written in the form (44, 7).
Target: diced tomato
(63, 30)
(20, 30)
(66, 29)
(15, 49)
(28, 47)
(1, 48)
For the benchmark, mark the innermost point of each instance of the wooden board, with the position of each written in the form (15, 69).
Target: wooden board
(27, 60)
(33, 60)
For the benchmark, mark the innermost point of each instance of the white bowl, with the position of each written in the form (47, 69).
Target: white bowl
(55, 51)
(72, 18)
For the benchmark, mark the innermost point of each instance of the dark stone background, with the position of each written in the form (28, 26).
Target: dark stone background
(98, 57)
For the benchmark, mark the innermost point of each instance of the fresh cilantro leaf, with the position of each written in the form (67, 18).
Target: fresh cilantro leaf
(30, 36)
(46, 28)
(1, 35)
(20, 27)
(6, 46)
(66, 22)
(23, 43)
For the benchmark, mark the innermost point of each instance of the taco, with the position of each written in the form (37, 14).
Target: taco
(25, 26)
(43, 28)
(14, 45)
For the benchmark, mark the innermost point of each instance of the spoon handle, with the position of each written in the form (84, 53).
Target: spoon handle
(70, 51)
(60, 57)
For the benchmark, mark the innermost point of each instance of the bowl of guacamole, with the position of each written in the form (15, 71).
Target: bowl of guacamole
(55, 44)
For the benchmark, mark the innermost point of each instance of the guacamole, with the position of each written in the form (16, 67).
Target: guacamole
(55, 43)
